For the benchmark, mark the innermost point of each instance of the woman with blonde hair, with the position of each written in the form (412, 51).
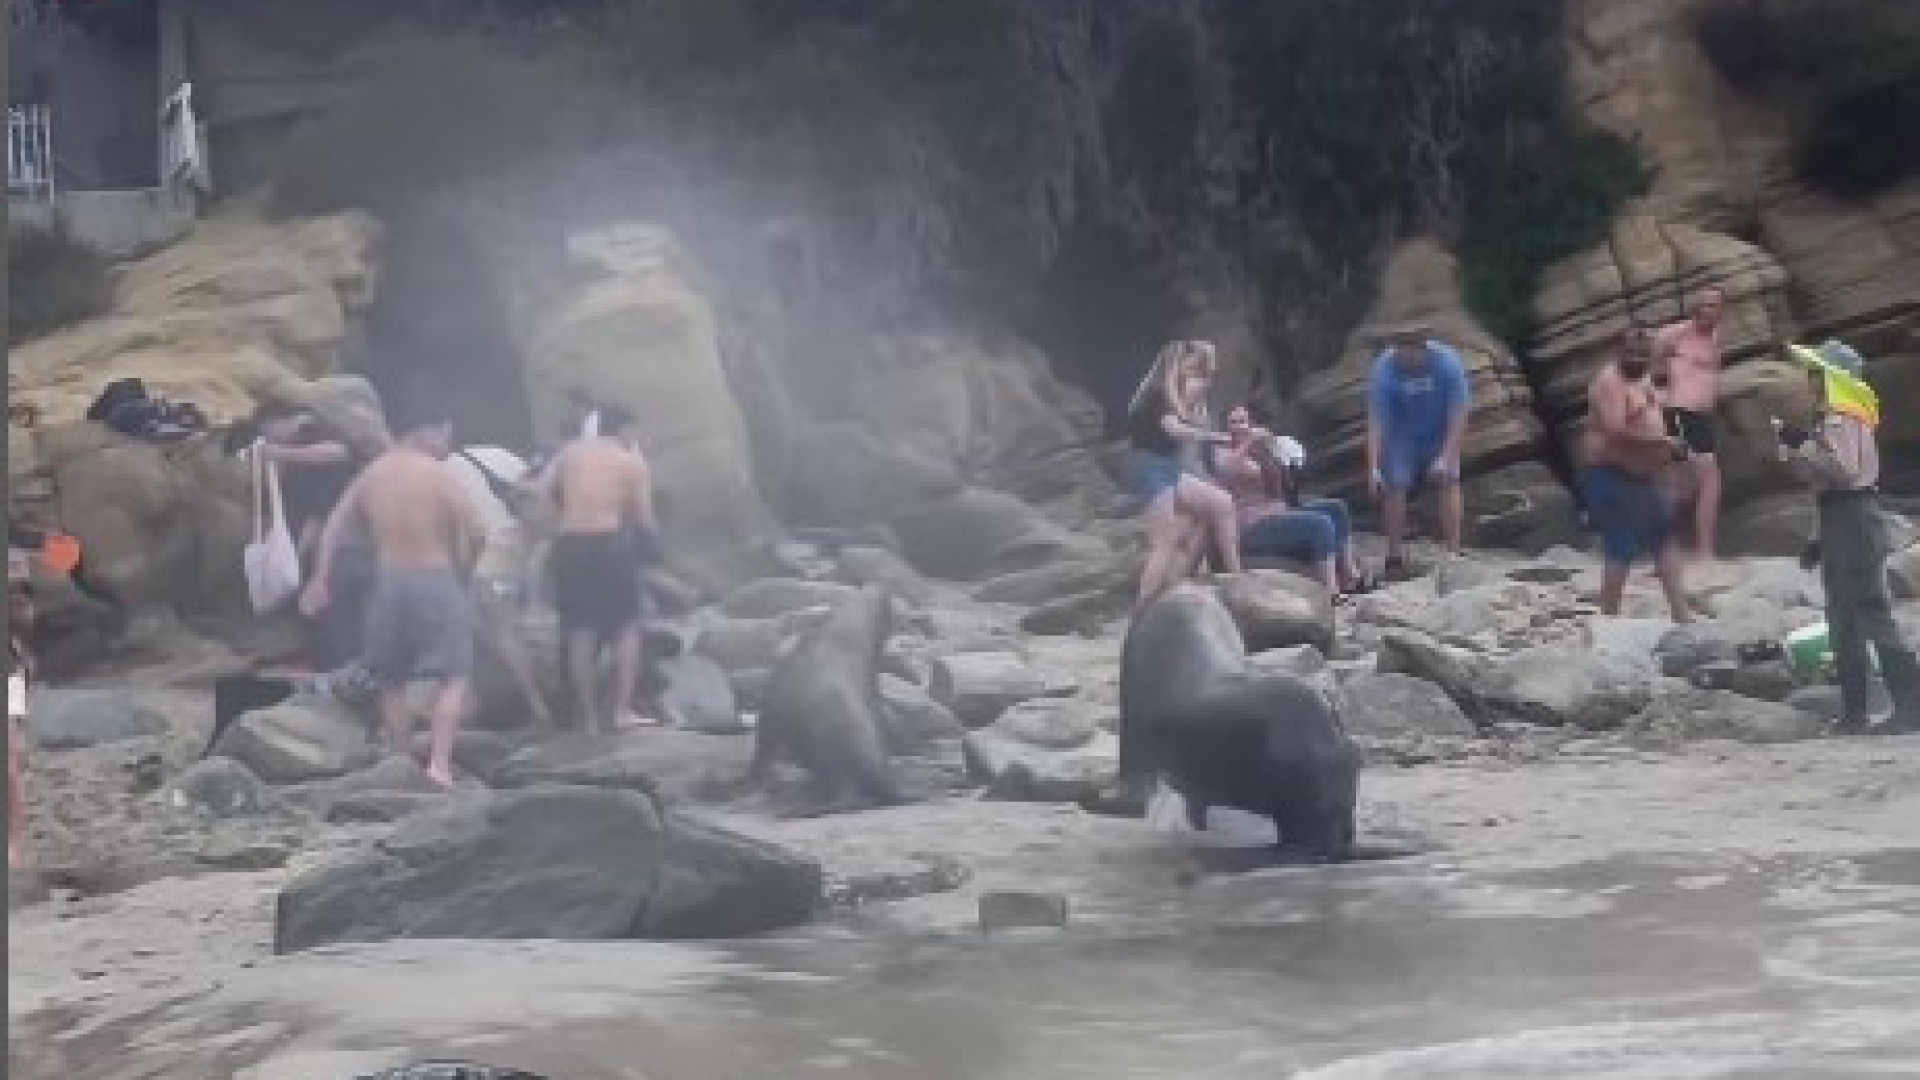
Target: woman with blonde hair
(1166, 427)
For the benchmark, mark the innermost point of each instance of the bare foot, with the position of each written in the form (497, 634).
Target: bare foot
(441, 775)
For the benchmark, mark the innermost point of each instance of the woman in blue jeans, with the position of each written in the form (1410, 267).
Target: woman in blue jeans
(1274, 521)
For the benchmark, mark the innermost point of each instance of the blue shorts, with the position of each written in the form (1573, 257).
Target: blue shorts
(1629, 512)
(1317, 530)
(1406, 462)
(1151, 475)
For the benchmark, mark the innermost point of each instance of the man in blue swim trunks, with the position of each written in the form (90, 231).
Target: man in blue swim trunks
(1626, 447)
(1417, 406)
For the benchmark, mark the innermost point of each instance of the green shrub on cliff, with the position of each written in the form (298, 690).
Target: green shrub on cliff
(52, 282)
(1856, 61)
(1392, 117)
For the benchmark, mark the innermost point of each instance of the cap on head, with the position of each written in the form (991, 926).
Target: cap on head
(1842, 355)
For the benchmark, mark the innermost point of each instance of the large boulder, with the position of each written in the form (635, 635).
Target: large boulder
(1044, 584)
(552, 862)
(1693, 714)
(1275, 609)
(1044, 751)
(635, 330)
(1523, 507)
(294, 742)
(1420, 285)
(1569, 686)
(238, 312)
(1642, 274)
(1461, 674)
(73, 719)
(668, 763)
(979, 686)
(992, 406)
(841, 474)
(1394, 707)
(976, 533)
(913, 720)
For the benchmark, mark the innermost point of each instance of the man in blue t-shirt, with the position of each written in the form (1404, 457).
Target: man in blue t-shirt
(1417, 403)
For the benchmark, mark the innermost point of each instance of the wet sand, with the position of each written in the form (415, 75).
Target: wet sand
(1718, 911)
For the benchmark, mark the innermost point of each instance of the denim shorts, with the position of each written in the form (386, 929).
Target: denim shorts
(1152, 475)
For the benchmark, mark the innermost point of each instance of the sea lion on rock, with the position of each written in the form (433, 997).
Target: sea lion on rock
(1221, 735)
(824, 709)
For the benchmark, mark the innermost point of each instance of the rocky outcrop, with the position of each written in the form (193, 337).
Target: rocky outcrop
(1420, 286)
(555, 862)
(635, 330)
(1722, 170)
(238, 312)
(1644, 274)
(992, 407)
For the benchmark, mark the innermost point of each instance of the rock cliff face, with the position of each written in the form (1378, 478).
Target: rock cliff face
(636, 331)
(908, 321)
(240, 312)
(1725, 208)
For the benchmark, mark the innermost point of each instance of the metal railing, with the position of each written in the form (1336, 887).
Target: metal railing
(30, 153)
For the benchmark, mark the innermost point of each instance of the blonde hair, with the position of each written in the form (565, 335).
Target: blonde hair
(1165, 373)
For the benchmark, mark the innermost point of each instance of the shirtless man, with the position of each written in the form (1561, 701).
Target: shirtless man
(1626, 449)
(427, 534)
(604, 496)
(1688, 352)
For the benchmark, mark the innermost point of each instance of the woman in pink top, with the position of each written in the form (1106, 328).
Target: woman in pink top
(1274, 520)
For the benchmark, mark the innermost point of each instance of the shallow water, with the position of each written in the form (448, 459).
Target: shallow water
(1657, 968)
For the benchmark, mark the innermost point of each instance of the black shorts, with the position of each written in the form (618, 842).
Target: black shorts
(1699, 430)
(596, 581)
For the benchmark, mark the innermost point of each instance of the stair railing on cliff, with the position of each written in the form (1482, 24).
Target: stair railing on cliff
(30, 165)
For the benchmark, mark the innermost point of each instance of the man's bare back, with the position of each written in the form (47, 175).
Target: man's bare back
(419, 516)
(602, 487)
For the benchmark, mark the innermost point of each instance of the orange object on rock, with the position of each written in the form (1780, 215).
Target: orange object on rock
(60, 553)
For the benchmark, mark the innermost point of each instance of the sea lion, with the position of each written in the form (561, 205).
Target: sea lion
(1221, 735)
(824, 709)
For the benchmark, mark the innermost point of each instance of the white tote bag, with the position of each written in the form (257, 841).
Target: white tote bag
(271, 561)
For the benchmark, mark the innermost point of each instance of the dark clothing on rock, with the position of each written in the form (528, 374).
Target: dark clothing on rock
(1854, 546)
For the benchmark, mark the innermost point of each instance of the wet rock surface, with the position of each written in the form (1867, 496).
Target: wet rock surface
(549, 862)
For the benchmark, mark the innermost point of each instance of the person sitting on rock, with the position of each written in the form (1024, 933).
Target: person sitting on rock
(1626, 450)
(426, 534)
(1274, 520)
(1417, 405)
(1166, 425)
(607, 535)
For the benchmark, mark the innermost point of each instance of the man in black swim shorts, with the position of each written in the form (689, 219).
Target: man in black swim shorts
(605, 502)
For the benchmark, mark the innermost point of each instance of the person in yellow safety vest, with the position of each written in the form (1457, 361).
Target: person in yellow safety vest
(1839, 457)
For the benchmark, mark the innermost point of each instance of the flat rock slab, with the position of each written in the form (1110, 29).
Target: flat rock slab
(676, 764)
(75, 719)
(290, 743)
(979, 686)
(1017, 771)
(566, 863)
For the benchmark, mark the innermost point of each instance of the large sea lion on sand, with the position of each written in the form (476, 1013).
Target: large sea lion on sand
(1268, 744)
(824, 710)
